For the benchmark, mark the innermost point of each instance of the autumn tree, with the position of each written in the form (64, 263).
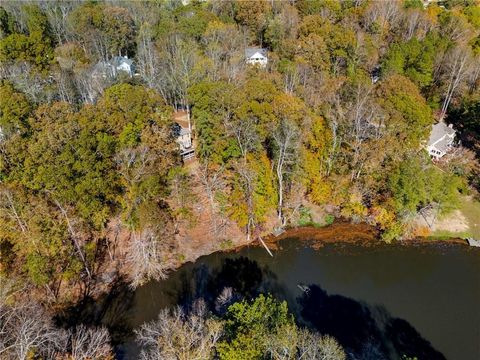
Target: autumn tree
(34, 47)
(14, 110)
(179, 334)
(105, 31)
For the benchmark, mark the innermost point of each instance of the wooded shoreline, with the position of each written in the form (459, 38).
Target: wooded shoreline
(340, 232)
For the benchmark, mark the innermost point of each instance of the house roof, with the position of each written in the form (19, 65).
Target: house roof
(118, 60)
(249, 52)
(442, 145)
(102, 66)
(179, 129)
(439, 130)
(183, 123)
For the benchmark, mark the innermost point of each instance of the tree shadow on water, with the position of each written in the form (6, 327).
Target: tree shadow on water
(110, 310)
(408, 341)
(241, 274)
(366, 332)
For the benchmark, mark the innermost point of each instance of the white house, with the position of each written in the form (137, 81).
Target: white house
(441, 140)
(182, 131)
(114, 66)
(256, 56)
(123, 63)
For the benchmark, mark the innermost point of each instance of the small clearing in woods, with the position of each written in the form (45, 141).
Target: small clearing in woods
(197, 236)
(454, 222)
(463, 222)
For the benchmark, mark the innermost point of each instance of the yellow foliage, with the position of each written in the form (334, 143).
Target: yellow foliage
(421, 231)
(317, 139)
(383, 217)
(355, 207)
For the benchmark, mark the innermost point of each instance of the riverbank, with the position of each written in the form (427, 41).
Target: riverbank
(341, 232)
(383, 290)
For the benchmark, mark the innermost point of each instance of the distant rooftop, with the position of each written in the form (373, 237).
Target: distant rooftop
(118, 60)
(249, 52)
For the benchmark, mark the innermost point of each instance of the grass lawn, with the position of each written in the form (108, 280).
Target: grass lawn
(470, 209)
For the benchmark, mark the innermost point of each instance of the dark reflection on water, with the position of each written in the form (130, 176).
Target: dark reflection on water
(380, 303)
(365, 331)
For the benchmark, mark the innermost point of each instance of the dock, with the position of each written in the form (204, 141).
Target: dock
(473, 242)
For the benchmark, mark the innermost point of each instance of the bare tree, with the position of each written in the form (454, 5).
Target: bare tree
(315, 346)
(74, 235)
(360, 125)
(245, 133)
(8, 208)
(222, 46)
(89, 343)
(149, 256)
(148, 58)
(283, 344)
(224, 299)
(415, 24)
(286, 138)
(384, 13)
(179, 64)
(25, 329)
(57, 12)
(212, 181)
(180, 335)
(474, 77)
(90, 85)
(457, 66)
(247, 177)
(66, 86)
(27, 80)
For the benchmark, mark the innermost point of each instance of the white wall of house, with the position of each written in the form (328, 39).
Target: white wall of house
(438, 152)
(258, 59)
(124, 67)
(435, 153)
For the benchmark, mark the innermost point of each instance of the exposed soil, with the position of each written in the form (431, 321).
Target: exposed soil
(340, 231)
(463, 221)
(205, 231)
(455, 222)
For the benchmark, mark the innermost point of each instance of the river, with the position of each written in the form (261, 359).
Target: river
(379, 302)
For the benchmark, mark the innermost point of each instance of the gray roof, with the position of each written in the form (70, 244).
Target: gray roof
(118, 60)
(249, 52)
(442, 145)
(103, 68)
(439, 130)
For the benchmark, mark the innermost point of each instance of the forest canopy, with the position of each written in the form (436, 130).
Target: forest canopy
(92, 181)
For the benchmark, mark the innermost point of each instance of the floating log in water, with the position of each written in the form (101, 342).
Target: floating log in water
(265, 246)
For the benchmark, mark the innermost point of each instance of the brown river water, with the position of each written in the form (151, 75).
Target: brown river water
(380, 302)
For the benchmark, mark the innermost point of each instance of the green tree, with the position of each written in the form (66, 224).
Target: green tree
(36, 48)
(416, 183)
(249, 325)
(14, 110)
(408, 117)
(212, 103)
(315, 150)
(105, 30)
(193, 20)
(414, 59)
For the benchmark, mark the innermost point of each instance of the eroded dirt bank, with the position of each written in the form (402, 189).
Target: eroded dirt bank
(340, 232)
